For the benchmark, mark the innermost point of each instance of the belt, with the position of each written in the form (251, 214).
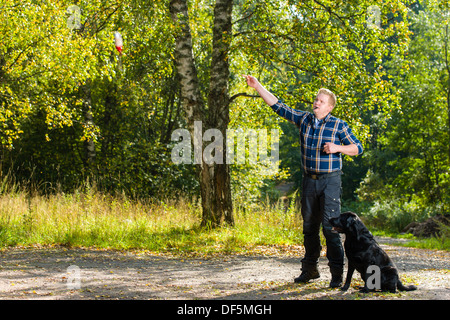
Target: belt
(323, 175)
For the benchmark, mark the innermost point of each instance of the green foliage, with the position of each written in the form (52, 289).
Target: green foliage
(44, 76)
(410, 166)
(395, 215)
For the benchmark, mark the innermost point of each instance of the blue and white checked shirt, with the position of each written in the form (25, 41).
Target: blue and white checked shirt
(313, 138)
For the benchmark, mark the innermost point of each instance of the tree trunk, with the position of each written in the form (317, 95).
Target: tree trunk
(89, 123)
(214, 178)
(218, 103)
(447, 64)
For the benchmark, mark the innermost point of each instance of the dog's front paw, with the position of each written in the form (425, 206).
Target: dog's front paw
(345, 288)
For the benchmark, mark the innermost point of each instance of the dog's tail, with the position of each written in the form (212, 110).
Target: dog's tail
(401, 287)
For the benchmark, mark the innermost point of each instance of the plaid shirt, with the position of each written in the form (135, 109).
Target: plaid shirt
(313, 138)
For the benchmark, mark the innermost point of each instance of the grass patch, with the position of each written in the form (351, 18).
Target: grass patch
(439, 243)
(93, 219)
(442, 242)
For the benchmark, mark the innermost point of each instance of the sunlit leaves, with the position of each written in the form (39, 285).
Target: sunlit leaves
(412, 159)
(300, 46)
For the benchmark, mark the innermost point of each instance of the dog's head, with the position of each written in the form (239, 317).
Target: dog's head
(349, 223)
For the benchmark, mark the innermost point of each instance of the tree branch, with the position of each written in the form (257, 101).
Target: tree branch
(244, 94)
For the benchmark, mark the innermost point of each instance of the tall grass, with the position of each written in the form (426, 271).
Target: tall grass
(92, 219)
(89, 218)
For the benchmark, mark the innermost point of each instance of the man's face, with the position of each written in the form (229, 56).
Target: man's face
(321, 106)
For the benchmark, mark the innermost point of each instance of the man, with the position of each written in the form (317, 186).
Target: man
(323, 139)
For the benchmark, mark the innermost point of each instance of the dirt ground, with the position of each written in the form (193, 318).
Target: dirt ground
(46, 273)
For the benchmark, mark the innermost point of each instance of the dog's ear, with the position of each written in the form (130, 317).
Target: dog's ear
(360, 229)
(352, 223)
(349, 221)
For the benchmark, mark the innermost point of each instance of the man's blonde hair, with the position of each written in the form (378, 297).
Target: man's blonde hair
(328, 93)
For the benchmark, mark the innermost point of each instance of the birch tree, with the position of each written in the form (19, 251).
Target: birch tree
(214, 113)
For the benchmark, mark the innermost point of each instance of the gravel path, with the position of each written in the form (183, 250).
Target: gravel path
(42, 273)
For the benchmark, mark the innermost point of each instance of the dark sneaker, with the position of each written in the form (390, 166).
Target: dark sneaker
(307, 275)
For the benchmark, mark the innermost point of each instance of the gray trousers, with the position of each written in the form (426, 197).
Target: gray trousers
(321, 200)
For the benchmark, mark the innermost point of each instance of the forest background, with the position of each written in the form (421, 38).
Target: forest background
(82, 125)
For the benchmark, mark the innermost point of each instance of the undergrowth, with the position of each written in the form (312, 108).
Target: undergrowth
(93, 219)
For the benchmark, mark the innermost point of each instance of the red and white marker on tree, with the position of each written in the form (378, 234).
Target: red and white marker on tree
(118, 41)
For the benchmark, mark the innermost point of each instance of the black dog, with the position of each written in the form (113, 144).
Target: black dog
(363, 251)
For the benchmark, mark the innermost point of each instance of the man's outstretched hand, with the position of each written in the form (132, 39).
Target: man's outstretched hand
(251, 81)
(268, 97)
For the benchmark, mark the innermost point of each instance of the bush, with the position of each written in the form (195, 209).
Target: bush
(395, 215)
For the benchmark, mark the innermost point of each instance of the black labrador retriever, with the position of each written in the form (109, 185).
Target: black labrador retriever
(363, 252)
